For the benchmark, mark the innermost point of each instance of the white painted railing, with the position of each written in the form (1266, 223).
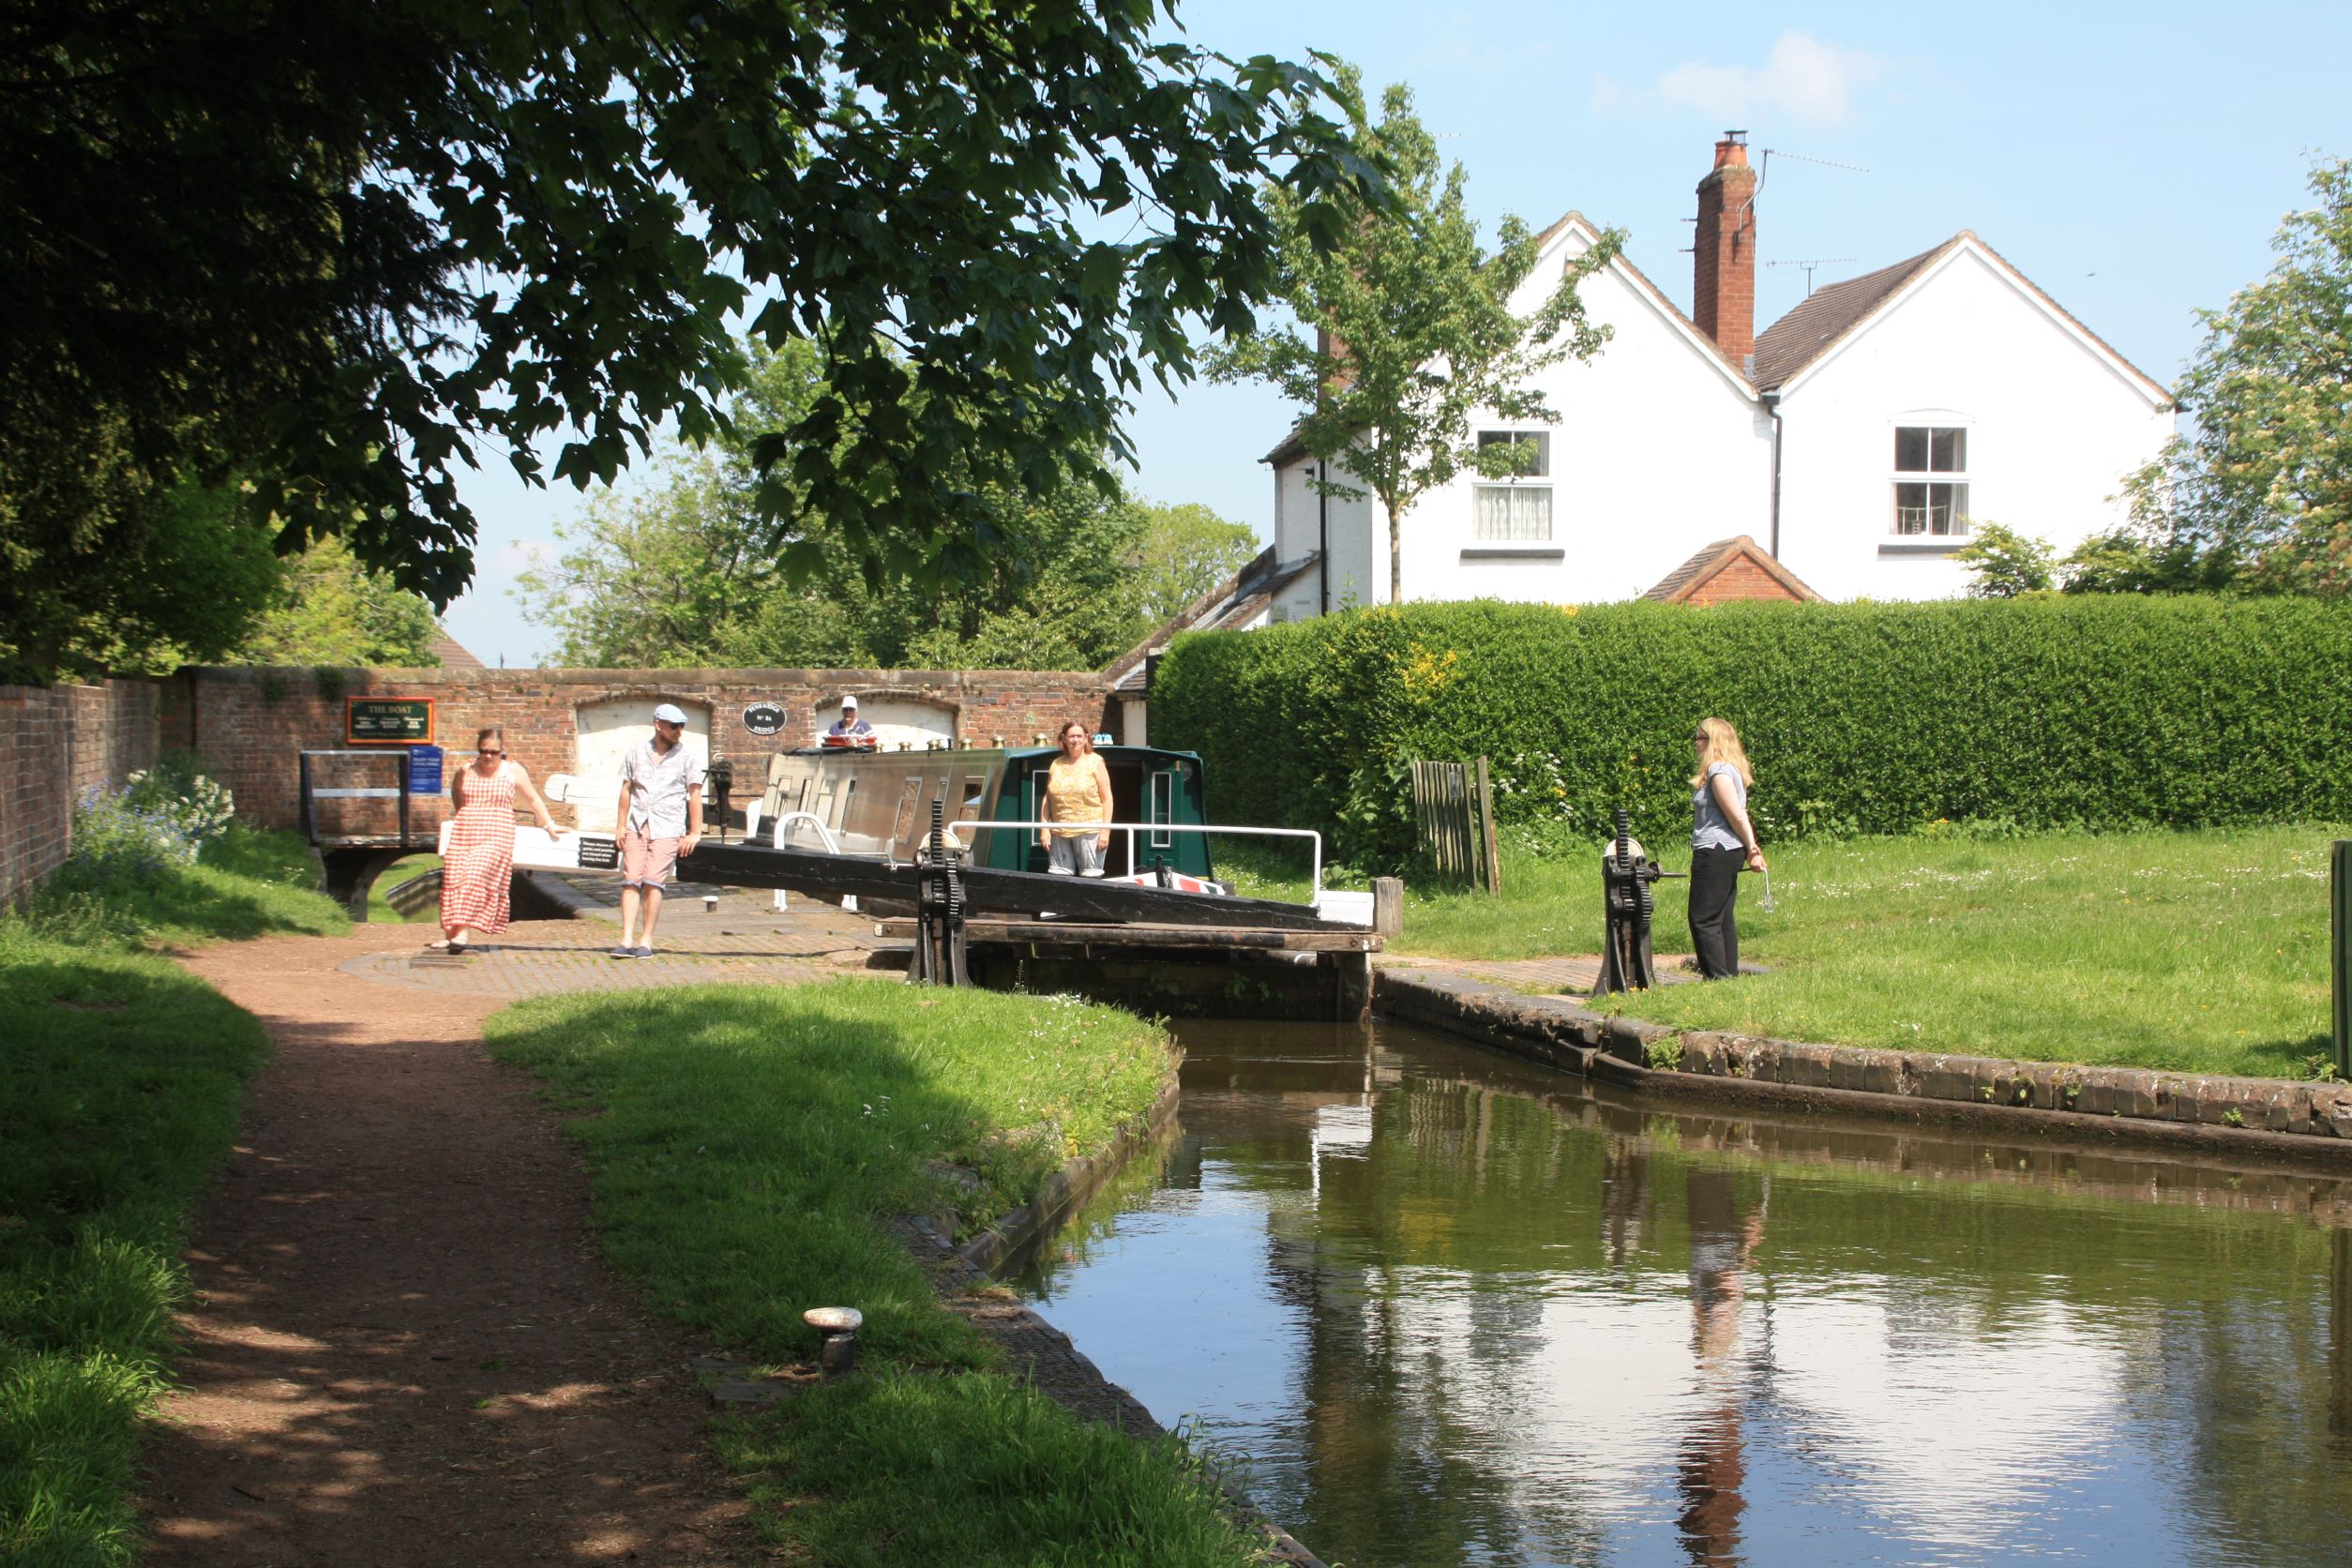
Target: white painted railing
(1131, 829)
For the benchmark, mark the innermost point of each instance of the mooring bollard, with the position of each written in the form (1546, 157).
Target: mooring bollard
(838, 1352)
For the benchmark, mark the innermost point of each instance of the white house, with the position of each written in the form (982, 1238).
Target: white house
(1853, 441)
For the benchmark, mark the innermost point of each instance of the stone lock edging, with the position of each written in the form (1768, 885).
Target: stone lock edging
(1018, 1229)
(2284, 1116)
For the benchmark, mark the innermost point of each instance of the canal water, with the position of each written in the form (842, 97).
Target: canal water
(1440, 1308)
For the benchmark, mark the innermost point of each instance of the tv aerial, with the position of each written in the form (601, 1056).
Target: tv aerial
(1812, 261)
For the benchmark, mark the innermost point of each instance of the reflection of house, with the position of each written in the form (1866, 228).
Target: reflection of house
(1854, 439)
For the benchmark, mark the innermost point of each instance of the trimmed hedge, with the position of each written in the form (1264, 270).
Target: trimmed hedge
(2104, 713)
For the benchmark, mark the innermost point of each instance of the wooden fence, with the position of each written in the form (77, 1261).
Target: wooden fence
(1453, 818)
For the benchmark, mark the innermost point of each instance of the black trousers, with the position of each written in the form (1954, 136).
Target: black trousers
(1714, 888)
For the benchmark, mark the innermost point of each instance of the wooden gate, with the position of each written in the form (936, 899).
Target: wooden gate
(1454, 818)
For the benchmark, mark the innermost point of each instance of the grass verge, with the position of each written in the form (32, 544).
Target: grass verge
(123, 1079)
(2191, 952)
(746, 1147)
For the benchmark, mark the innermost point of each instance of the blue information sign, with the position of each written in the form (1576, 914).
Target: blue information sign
(424, 770)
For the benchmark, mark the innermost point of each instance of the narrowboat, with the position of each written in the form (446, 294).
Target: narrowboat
(878, 804)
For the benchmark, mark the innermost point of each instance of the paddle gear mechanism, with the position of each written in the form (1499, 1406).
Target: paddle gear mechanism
(939, 911)
(1626, 903)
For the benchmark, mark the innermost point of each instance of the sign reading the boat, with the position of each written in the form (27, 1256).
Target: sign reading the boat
(763, 718)
(387, 721)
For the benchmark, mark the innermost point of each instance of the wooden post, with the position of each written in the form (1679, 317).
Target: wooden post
(1487, 831)
(2340, 951)
(1388, 907)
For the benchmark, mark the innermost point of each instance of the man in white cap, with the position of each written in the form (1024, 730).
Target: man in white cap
(849, 730)
(660, 817)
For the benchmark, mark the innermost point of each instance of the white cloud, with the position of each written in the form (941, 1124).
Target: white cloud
(1802, 79)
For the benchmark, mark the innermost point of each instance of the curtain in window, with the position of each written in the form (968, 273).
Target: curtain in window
(1515, 512)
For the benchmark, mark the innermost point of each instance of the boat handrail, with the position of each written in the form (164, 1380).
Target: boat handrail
(1131, 829)
(825, 834)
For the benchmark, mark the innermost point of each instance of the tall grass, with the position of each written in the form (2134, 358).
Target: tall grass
(121, 1078)
(747, 1147)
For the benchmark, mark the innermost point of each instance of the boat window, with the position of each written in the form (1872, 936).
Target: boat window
(975, 797)
(825, 788)
(1163, 806)
(903, 828)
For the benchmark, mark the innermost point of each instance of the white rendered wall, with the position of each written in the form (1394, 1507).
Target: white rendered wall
(2053, 427)
(1657, 453)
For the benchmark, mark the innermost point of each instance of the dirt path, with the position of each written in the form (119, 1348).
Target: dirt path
(405, 1348)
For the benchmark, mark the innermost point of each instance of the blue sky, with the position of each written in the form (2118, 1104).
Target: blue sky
(2133, 160)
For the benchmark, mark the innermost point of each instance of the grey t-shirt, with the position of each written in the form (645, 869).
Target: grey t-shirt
(1711, 829)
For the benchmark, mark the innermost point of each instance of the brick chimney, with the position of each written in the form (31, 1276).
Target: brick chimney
(1723, 256)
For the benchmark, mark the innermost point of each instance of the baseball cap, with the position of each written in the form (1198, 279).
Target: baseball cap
(848, 702)
(670, 713)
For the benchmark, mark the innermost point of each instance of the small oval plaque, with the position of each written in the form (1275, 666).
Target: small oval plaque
(763, 718)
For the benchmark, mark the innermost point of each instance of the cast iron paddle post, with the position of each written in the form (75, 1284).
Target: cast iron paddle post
(1626, 903)
(939, 913)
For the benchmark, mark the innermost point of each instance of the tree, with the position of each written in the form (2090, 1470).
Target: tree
(2004, 563)
(344, 246)
(1406, 327)
(682, 572)
(1184, 552)
(183, 577)
(329, 610)
(2259, 491)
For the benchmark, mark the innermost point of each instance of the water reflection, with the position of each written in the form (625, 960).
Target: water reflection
(1449, 1309)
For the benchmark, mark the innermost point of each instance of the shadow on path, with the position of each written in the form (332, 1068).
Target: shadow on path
(404, 1348)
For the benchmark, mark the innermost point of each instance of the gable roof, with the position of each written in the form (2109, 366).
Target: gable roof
(1235, 602)
(1682, 583)
(452, 654)
(1290, 448)
(1831, 316)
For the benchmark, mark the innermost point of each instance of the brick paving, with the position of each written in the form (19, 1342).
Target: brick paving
(1538, 977)
(740, 939)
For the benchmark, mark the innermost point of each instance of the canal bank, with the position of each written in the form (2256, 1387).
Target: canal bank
(2276, 1117)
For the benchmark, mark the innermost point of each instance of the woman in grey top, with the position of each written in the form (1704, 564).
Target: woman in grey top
(1723, 840)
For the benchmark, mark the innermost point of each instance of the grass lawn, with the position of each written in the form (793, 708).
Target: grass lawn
(380, 908)
(123, 1079)
(747, 1145)
(2199, 952)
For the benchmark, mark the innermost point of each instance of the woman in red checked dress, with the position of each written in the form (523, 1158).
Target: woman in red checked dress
(479, 869)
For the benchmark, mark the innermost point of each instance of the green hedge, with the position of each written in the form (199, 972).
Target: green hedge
(2101, 713)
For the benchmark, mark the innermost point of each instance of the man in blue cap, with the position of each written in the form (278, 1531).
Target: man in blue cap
(660, 817)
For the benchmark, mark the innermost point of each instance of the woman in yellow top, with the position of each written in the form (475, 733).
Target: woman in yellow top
(1078, 789)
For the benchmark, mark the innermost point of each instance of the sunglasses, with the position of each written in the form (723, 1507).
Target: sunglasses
(489, 751)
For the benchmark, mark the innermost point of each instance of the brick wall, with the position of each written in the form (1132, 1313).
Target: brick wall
(1723, 253)
(1742, 580)
(249, 724)
(54, 742)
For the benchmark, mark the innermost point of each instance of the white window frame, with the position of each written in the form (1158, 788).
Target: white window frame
(1538, 483)
(1961, 478)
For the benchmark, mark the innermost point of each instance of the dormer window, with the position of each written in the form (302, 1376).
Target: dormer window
(1515, 505)
(1931, 479)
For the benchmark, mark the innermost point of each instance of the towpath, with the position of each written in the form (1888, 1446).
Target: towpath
(404, 1348)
